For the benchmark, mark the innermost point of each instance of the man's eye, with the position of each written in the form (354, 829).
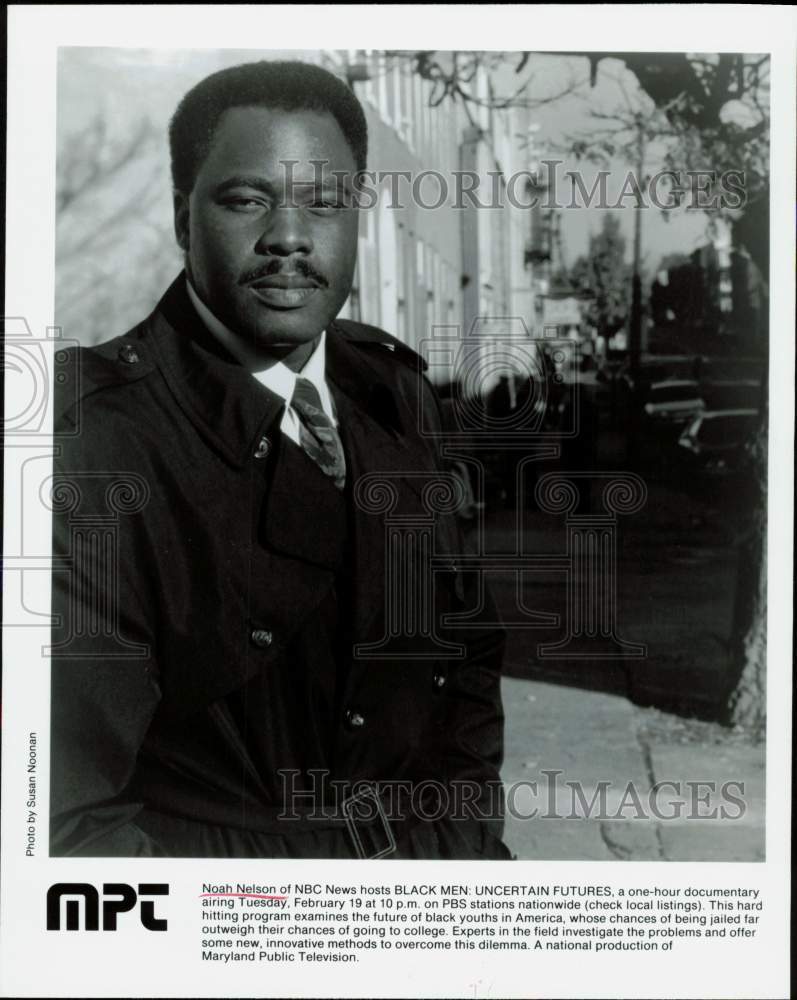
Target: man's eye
(241, 203)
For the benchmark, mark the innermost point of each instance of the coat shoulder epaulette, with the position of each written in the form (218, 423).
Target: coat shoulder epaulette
(365, 335)
(82, 371)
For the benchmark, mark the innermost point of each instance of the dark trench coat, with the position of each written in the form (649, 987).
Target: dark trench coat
(202, 684)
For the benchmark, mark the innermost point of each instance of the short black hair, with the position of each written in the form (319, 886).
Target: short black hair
(287, 85)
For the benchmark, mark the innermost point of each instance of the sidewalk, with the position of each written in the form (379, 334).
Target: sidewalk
(591, 738)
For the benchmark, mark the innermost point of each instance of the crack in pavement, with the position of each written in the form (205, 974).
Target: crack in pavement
(647, 757)
(617, 848)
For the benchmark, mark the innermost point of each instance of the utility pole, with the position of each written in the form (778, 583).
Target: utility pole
(635, 319)
(635, 325)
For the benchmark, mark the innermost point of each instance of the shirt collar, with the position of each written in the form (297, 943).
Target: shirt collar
(279, 378)
(232, 410)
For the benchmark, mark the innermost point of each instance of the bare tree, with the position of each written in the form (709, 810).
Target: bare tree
(114, 240)
(455, 76)
(702, 110)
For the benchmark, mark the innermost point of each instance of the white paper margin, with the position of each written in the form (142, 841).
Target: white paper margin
(134, 962)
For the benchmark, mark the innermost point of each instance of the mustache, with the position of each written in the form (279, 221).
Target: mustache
(275, 266)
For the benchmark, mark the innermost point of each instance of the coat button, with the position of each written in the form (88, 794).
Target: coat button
(354, 720)
(128, 354)
(439, 681)
(263, 448)
(261, 637)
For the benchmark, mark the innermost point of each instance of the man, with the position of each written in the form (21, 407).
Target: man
(226, 682)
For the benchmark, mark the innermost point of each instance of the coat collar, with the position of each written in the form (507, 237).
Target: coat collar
(231, 409)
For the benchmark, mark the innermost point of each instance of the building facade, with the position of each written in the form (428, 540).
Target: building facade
(432, 257)
(443, 246)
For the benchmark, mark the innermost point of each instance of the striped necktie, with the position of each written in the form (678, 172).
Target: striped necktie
(317, 434)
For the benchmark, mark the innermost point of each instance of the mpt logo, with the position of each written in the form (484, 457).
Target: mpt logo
(118, 897)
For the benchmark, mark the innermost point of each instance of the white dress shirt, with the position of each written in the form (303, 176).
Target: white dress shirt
(279, 378)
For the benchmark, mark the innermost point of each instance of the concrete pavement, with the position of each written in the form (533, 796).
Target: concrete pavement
(585, 762)
(677, 566)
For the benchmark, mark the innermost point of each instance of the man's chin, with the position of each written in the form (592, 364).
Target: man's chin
(268, 328)
(286, 340)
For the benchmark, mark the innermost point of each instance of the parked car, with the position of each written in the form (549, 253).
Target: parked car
(660, 368)
(731, 394)
(715, 440)
(672, 402)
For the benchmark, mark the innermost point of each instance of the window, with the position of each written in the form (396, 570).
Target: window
(427, 119)
(369, 90)
(368, 271)
(381, 83)
(421, 296)
(450, 313)
(401, 329)
(431, 286)
(407, 105)
(397, 86)
(417, 84)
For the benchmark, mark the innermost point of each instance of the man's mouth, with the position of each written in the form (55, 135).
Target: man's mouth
(284, 291)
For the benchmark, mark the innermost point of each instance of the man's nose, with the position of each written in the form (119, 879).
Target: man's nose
(286, 232)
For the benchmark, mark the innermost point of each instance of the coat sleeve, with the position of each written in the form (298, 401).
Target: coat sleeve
(473, 734)
(104, 677)
(473, 739)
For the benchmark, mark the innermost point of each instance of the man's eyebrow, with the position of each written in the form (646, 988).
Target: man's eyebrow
(330, 182)
(245, 180)
(333, 183)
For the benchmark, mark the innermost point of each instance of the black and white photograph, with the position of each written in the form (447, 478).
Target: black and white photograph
(541, 282)
(398, 471)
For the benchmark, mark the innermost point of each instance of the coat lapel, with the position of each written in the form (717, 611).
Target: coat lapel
(233, 412)
(302, 516)
(273, 567)
(228, 407)
(391, 422)
(376, 427)
(304, 513)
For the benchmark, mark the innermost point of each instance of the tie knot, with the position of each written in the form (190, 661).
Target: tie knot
(317, 434)
(306, 399)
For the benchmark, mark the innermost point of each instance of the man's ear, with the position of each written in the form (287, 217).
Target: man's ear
(181, 220)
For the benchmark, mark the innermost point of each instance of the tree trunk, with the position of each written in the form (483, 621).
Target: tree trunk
(745, 704)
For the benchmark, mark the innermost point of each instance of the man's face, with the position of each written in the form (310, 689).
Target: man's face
(270, 244)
